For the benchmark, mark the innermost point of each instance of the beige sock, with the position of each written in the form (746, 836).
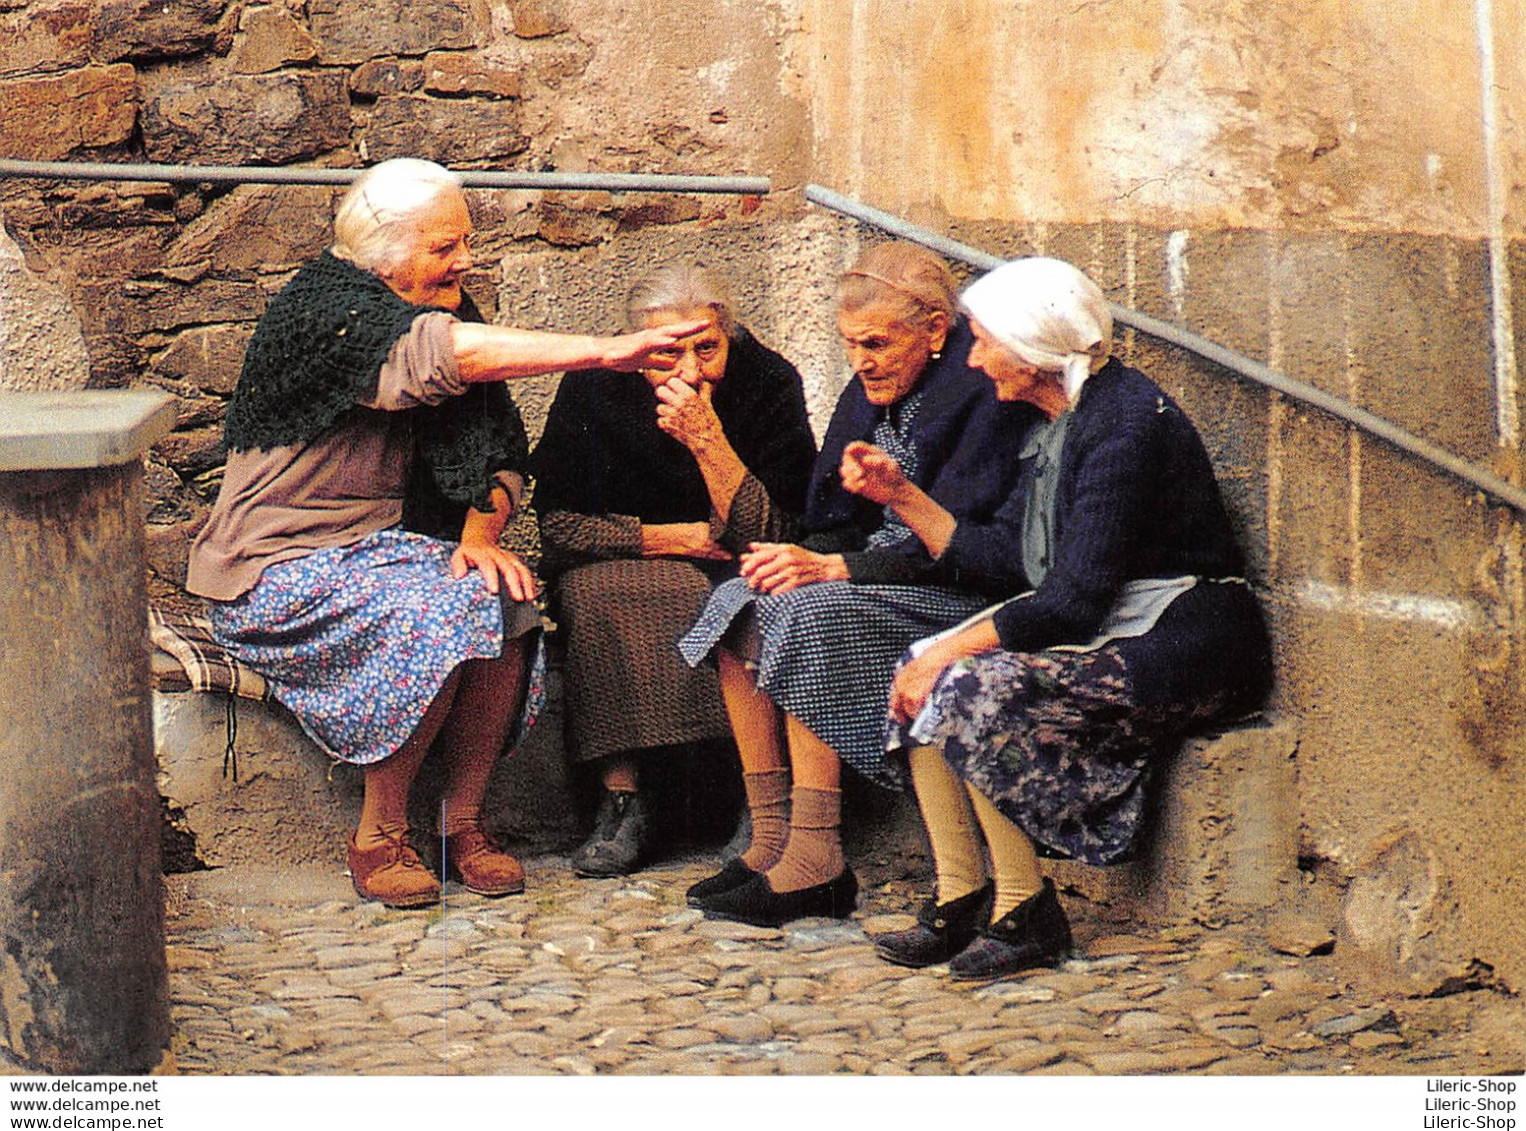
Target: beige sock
(814, 852)
(1012, 857)
(950, 822)
(768, 805)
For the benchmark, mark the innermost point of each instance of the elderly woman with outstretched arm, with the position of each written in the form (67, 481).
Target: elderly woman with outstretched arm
(352, 555)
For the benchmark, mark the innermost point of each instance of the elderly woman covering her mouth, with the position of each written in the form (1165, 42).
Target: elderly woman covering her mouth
(1039, 723)
(352, 555)
(646, 491)
(807, 639)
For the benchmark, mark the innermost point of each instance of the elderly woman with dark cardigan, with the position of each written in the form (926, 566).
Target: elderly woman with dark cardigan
(647, 490)
(807, 639)
(1040, 723)
(369, 425)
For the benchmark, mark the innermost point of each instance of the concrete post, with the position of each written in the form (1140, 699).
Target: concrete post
(83, 982)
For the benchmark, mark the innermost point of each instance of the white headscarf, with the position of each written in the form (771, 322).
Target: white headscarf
(1048, 313)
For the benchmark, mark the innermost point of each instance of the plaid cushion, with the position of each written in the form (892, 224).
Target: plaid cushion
(187, 658)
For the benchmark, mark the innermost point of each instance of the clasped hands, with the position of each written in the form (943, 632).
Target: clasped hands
(778, 567)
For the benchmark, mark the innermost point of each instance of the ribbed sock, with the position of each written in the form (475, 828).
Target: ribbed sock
(950, 822)
(814, 852)
(460, 817)
(1013, 860)
(768, 805)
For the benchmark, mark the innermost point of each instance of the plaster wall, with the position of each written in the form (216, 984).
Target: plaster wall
(1337, 189)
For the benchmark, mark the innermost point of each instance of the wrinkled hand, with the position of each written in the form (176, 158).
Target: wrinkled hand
(681, 540)
(497, 566)
(646, 349)
(778, 567)
(688, 414)
(914, 683)
(869, 471)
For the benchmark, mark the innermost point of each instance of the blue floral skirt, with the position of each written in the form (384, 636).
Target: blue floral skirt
(1059, 741)
(357, 641)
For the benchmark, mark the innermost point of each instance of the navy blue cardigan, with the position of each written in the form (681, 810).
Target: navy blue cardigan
(1137, 498)
(967, 446)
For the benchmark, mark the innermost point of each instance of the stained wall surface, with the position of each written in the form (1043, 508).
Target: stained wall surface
(1336, 188)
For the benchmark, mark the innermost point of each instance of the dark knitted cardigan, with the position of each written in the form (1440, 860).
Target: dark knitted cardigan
(317, 353)
(967, 445)
(1137, 499)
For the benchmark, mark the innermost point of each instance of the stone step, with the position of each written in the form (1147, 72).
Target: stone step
(292, 804)
(1224, 842)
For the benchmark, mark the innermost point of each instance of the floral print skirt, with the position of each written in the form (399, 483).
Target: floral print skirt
(356, 641)
(1059, 741)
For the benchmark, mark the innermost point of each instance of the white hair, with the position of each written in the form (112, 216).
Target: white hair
(371, 226)
(677, 289)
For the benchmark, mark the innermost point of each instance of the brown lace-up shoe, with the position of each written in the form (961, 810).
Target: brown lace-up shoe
(393, 873)
(476, 860)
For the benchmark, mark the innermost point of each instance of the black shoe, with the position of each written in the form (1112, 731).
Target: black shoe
(618, 839)
(1034, 933)
(942, 931)
(733, 875)
(756, 903)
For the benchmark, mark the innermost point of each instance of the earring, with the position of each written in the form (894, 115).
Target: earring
(937, 355)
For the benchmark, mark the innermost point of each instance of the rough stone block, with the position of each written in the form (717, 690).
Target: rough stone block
(153, 306)
(257, 228)
(446, 131)
(45, 37)
(269, 37)
(83, 972)
(1225, 840)
(454, 73)
(242, 119)
(285, 808)
(48, 118)
(208, 357)
(534, 19)
(192, 452)
(293, 805)
(387, 76)
(156, 29)
(350, 32)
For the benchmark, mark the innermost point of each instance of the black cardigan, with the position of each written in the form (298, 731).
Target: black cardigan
(967, 444)
(1137, 499)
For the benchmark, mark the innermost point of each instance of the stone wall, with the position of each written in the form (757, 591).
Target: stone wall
(1335, 188)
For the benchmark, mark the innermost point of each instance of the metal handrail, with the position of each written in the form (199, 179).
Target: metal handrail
(470, 178)
(1386, 430)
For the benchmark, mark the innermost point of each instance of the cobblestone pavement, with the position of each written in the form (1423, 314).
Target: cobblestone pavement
(283, 972)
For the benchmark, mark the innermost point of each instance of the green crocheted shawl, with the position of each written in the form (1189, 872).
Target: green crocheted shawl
(318, 351)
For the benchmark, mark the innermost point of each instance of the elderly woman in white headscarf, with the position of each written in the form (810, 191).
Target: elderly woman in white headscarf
(1035, 728)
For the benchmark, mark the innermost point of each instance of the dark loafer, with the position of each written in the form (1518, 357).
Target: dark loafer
(756, 903)
(942, 931)
(1034, 933)
(733, 875)
(619, 837)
